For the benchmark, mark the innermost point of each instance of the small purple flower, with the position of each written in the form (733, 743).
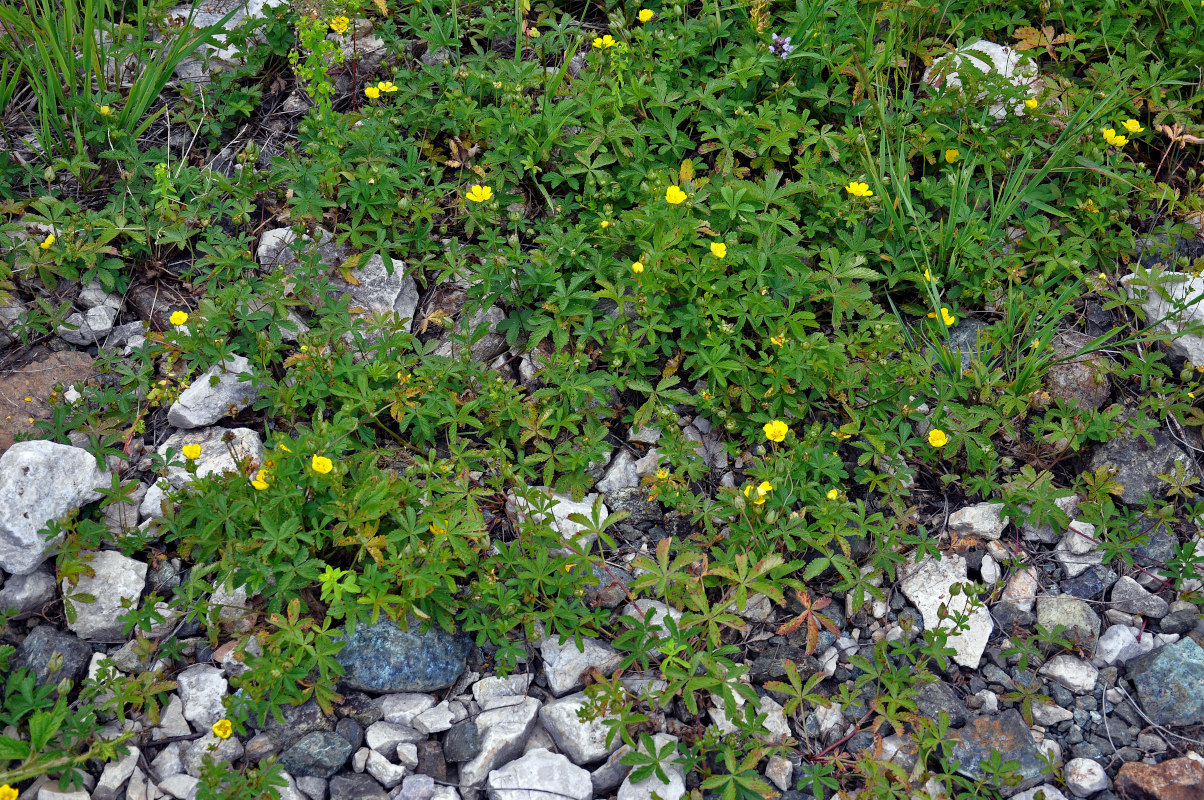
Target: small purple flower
(781, 46)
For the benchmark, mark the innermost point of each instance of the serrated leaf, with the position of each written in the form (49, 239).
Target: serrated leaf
(345, 269)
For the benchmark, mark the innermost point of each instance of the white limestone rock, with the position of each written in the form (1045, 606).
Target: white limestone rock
(503, 732)
(202, 689)
(215, 455)
(566, 667)
(223, 390)
(583, 742)
(992, 61)
(984, 520)
(927, 585)
(537, 771)
(675, 789)
(116, 580)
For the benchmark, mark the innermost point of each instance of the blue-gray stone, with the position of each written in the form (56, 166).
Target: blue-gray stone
(462, 742)
(319, 754)
(1091, 584)
(42, 644)
(384, 658)
(1170, 683)
(356, 787)
(1005, 734)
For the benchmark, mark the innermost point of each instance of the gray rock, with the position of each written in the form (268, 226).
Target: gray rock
(171, 721)
(356, 787)
(927, 585)
(313, 788)
(151, 506)
(115, 775)
(116, 579)
(493, 692)
(1170, 683)
(222, 751)
(1075, 674)
(44, 643)
(1006, 734)
(610, 775)
(1139, 463)
(41, 481)
(1078, 550)
(504, 730)
(386, 773)
(1075, 615)
(219, 392)
(1129, 596)
(1021, 590)
(215, 454)
(127, 335)
(417, 787)
(490, 343)
(32, 591)
(621, 474)
(1045, 792)
(350, 730)
(1084, 777)
(380, 292)
(384, 737)
(527, 778)
(202, 689)
(401, 709)
(435, 720)
(1181, 308)
(984, 520)
(566, 667)
(1121, 643)
(462, 742)
(320, 754)
(938, 696)
(644, 789)
(384, 658)
(90, 327)
(179, 786)
(1181, 617)
(583, 742)
(1091, 583)
(298, 721)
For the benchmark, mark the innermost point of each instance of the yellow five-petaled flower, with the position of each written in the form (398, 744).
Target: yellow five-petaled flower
(223, 729)
(178, 317)
(1111, 137)
(105, 111)
(321, 464)
(718, 249)
(478, 193)
(858, 189)
(191, 451)
(604, 42)
(674, 196)
(937, 438)
(48, 242)
(646, 15)
(758, 493)
(1031, 103)
(637, 267)
(946, 316)
(951, 154)
(775, 431)
(372, 92)
(387, 86)
(260, 481)
(8, 793)
(833, 494)
(339, 24)
(1133, 126)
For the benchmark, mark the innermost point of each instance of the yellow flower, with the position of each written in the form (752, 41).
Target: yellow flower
(260, 481)
(1091, 206)
(778, 341)
(339, 25)
(8, 793)
(661, 474)
(372, 92)
(833, 494)
(321, 464)
(775, 431)
(223, 729)
(105, 111)
(937, 438)
(951, 154)
(1035, 344)
(758, 493)
(858, 189)
(1133, 126)
(48, 242)
(1102, 276)
(284, 447)
(1031, 103)
(386, 86)
(604, 42)
(948, 318)
(637, 267)
(841, 435)
(674, 196)
(1111, 138)
(191, 451)
(928, 276)
(478, 193)
(604, 224)
(646, 15)
(718, 249)
(178, 317)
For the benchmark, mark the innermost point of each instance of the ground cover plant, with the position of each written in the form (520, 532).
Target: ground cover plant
(795, 305)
